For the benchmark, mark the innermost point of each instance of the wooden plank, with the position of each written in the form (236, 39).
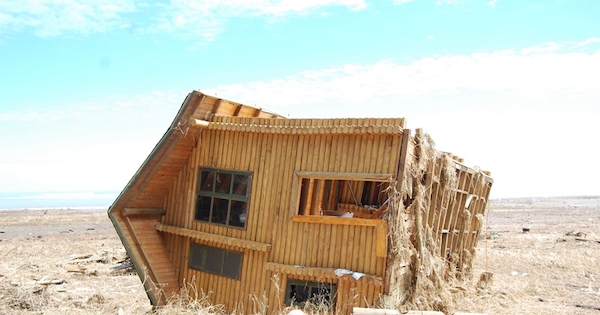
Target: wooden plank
(337, 220)
(345, 176)
(143, 212)
(219, 239)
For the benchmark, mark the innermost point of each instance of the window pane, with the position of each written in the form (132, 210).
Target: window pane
(320, 294)
(232, 265)
(197, 257)
(206, 180)
(237, 214)
(219, 213)
(223, 184)
(214, 260)
(203, 208)
(298, 293)
(240, 185)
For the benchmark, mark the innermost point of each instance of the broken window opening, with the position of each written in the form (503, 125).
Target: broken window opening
(310, 295)
(346, 198)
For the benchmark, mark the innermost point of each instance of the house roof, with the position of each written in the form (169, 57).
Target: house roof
(151, 183)
(149, 186)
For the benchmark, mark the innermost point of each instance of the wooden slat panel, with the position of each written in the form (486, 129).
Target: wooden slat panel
(219, 239)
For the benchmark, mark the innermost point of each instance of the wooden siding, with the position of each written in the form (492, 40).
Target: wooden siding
(273, 159)
(148, 251)
(281, 242)
(153, 182)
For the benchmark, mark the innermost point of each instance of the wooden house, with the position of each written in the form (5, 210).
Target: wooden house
(242, 204)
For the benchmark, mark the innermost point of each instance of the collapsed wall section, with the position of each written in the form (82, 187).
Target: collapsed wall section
(435, 218)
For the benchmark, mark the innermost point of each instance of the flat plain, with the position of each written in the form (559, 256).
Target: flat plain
(543, 254)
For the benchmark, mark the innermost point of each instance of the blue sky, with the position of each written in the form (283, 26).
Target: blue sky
(87, 88)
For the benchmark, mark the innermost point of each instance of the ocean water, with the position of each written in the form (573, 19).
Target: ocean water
(57, 200)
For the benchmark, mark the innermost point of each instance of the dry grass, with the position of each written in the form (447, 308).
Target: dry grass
(544, 271)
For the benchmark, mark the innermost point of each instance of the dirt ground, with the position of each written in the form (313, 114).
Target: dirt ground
(64, 261)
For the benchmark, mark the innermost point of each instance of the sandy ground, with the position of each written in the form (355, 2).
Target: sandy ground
(62, 261)
(74, 250)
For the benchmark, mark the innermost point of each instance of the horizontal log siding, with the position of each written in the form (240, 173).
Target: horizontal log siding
(272, 159)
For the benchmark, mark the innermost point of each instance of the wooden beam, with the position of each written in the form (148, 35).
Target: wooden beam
(320, 273)
(376, 177)
(336, 220)
(199, 123)
(402, 160)
(220, 239)
(285, 129)
(127, 212)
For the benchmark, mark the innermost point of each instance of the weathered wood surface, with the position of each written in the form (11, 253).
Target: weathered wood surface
(143, 211)
(296, 165)
(274, 159)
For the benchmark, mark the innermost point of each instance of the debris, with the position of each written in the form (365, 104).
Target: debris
(586, 240)
(381, 311)
(78, 269)
(493, 236)
(47, 282)
(526, 230)
(124, 265)
(589, 307)
(486, 279)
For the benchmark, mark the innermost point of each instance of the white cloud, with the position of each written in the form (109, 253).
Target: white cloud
(589, 41)
(187, 18)
(54, 17)
(60, 147)
(542, 49)
(492, 3)
(520, 115)
(402, 1)
(207, 18)
(534, 73)
(448, 2)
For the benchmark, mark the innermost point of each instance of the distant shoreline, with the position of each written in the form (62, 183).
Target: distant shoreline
(58, 208)
(57, 200)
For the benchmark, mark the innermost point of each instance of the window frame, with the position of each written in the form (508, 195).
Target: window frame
(332, 287)
(229, 197)
(299, 176)
(204, 263)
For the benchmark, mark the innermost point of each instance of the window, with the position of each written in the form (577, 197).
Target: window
(339, 194)
(217, 261)
(303, 293)
(222, 197)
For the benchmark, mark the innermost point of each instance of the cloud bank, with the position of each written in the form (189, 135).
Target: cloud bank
(206, 19)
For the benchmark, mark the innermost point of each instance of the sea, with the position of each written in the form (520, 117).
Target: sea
(57, 200)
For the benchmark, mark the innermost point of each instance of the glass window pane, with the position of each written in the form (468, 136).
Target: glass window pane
(299, 293)
(214, 260)
(206, 180)
(237, 214)
(197, 257)
(232, 265)
(203, 208)
(240, 185)
(223, 184)
(219, 213)
(319, 294)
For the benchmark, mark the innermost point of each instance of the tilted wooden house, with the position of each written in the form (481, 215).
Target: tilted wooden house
(238, 202)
